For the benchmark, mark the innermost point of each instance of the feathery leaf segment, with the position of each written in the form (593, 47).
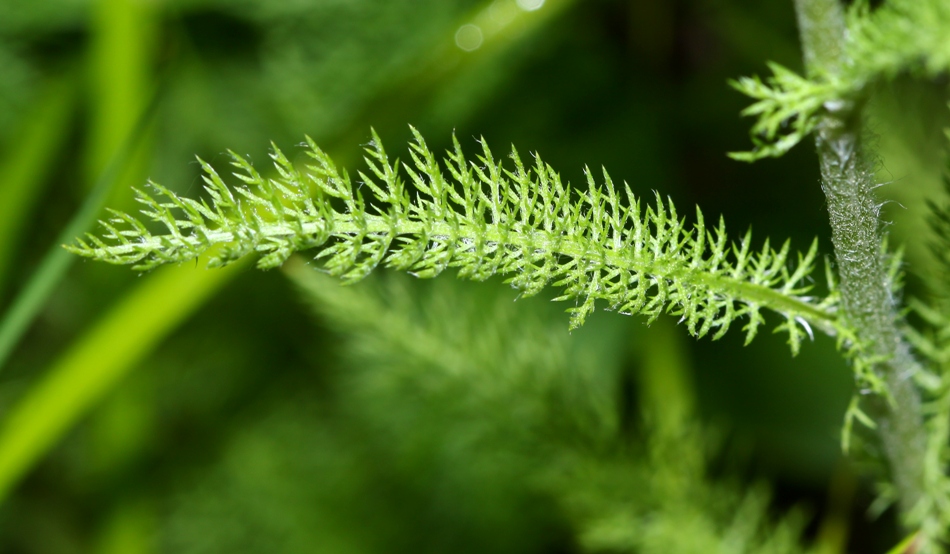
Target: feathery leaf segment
(484, 220)
(901, 36)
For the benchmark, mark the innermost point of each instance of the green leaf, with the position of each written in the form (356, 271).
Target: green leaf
(96, 363)
(483, 218)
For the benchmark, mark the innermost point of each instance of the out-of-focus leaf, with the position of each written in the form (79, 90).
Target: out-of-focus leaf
(98, 360)
(29, 160)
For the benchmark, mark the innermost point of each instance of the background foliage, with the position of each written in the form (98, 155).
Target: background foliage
(212, 412)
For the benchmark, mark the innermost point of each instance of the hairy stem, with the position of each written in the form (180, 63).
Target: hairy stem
(866, 288)
(821, 27)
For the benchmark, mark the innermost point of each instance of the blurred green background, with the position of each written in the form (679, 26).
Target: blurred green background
(214, 411)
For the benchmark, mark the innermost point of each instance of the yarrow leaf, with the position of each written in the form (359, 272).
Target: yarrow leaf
(602, 243)
(899, 37)
(788, 109)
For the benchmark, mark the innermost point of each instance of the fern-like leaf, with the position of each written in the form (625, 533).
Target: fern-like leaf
(901, 36)
(484, 220)
(787, 109)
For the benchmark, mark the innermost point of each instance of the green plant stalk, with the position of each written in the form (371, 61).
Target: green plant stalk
(821, 28)
(867, 293)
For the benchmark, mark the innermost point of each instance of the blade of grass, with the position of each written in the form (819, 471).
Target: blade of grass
(97, 361)
(121, 57)
(56, 261)
(28, 161)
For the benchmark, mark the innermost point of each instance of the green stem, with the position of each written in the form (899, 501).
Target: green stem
(866, 289)
(821, 27)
